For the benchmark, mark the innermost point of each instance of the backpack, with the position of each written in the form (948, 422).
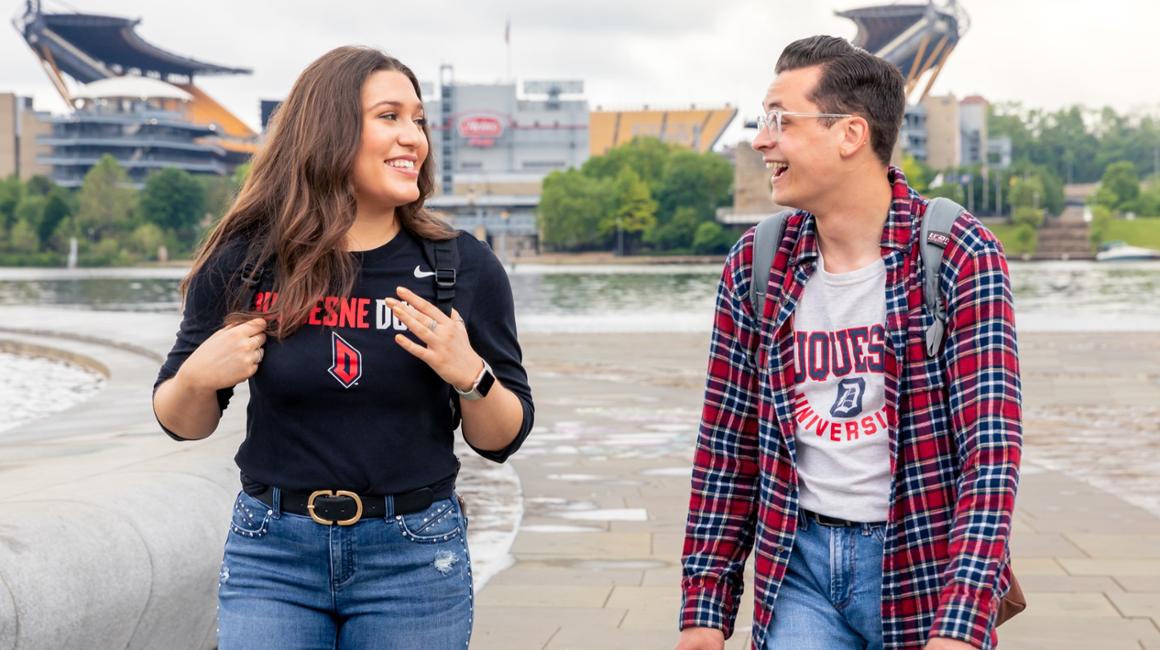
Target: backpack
(936, 228)
(442, 256)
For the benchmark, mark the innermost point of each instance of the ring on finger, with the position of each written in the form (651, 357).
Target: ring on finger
(261, 354)
(432, 325)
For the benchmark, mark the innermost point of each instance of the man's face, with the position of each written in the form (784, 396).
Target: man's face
(803, 163)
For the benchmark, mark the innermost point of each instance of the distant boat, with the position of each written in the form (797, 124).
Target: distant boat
(1118, 251)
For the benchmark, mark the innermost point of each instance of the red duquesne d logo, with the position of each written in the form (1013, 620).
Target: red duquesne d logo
(346, 366)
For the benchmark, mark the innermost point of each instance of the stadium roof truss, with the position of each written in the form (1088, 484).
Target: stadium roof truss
(918, 38)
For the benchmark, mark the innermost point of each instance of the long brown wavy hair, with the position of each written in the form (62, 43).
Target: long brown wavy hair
(295, 208)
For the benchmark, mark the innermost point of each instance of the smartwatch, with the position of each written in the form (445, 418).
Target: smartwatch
(482, 385)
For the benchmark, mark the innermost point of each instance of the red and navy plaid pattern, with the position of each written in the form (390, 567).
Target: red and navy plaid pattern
(956, 437)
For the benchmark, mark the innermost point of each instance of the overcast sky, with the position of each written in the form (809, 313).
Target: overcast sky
(1043, 53)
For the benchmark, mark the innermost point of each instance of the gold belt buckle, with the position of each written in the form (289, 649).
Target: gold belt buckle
(332, 493)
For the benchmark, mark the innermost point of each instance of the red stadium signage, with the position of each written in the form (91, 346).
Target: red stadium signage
(480, 130)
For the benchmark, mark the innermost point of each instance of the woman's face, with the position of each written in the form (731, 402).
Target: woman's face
(393, 145)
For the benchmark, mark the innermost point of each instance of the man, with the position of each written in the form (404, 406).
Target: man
(877, 482)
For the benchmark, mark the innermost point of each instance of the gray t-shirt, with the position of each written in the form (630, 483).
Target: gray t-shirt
(840, 347)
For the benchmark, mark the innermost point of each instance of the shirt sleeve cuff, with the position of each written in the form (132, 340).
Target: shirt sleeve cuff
(965, 616)
(501, 455)
(705, 604)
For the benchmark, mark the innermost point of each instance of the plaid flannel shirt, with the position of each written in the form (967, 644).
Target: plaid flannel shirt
(955, 437)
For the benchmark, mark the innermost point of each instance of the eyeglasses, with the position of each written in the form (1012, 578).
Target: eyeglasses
(772, 121)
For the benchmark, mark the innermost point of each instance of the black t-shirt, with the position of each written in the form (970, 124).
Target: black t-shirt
(339, 404)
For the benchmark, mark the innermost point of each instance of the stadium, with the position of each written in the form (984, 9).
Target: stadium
(495, 143)
(132, 100)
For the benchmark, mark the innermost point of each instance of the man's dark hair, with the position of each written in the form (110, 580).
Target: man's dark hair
(853, 81)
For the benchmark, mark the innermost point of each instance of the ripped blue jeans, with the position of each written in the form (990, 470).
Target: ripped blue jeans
(398, 582)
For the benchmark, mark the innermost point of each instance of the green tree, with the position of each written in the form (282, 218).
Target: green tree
(241, 173)
(917, 173)
(30, 212)
(11, 191)
(1028, 216)
(106, 252)
(56, 210)
(571, 208)
(711, 237)
(39, 185)
(1101, 221)
(105, 202)
(219, 194)
(145, 240)
(694, 180)
(952, 191)
(645, 156)
(59, 240)
(174, 200)
(1148, 203)
(1026, 238)
(1027, 192)
(634, 210)
(676, 234)
(23, 238)
(1120, 186)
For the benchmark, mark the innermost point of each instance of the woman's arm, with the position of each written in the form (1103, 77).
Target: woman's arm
(187, 404)
(489, 424)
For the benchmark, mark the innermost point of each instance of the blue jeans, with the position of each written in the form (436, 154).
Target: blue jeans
(398, 582)
(831, 597)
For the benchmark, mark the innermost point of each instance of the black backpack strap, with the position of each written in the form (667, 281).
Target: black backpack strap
(252, 276)
(940, 215)
(766, 241)
(443, 256)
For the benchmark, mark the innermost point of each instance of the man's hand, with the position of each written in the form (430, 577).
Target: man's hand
(942, 643)
(701, 638)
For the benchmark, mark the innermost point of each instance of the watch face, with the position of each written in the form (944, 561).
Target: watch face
(485, 382)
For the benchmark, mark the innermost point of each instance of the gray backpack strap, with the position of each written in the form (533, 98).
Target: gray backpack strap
(941, 213)
(766, 240)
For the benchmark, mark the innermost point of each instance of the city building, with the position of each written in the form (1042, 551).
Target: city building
(943, 132)
(973, 131)
(493, 145)
(20, 128)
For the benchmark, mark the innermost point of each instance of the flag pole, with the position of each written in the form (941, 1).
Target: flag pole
(507, 39)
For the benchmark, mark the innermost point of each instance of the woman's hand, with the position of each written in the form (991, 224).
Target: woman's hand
(447, 351)
(228, 357)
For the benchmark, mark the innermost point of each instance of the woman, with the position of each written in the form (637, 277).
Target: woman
(316, 288)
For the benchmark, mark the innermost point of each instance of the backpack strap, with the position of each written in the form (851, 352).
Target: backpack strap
(252, 276)
(941, 214)
(766, 240)
(443, 256)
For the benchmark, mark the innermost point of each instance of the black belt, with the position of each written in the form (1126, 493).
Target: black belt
(344, 508)
(834, 522)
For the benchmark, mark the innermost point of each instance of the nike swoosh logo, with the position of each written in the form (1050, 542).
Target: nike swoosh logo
(423, 274)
